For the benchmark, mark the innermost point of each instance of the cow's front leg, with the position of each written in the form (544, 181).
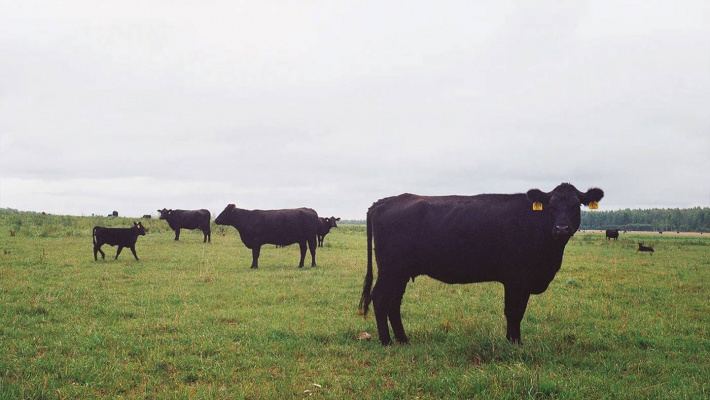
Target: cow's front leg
(118, 252)
(255, 256)
(133, 250)
(177, 234)
(516, 301)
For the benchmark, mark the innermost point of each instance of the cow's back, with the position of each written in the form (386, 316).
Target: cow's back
(189, 219)
(280, 227)
(457, 239)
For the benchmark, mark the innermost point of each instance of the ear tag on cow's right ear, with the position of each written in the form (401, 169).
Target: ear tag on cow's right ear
(537, 206)
(593, 205)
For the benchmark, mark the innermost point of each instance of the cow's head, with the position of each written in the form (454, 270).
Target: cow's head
(225, 217)
(164, 213)
(330, 221)
(563, 205)
(140, 228)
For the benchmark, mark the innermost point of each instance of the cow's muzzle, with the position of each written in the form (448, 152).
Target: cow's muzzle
(562, 231)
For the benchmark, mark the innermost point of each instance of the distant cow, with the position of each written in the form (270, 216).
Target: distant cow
(515, 239)
(188, 219)
(324, 228)
(280, 227)
(643, 248)
(612, 234)
(147, 216)
(121, 237)
(113, 214)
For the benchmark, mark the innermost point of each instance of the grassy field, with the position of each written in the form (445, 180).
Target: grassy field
(191, 320)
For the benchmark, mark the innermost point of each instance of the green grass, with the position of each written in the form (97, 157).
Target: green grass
(191, 320)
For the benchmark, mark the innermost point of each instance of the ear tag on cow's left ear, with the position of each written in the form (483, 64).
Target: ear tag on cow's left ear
(593, 205)
(537, 206)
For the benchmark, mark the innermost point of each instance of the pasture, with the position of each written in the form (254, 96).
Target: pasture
(191, 320)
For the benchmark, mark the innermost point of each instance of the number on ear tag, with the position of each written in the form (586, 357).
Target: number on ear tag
(537, 206)
(593, 205)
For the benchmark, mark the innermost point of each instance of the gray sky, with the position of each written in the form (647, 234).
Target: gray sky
(135, 106)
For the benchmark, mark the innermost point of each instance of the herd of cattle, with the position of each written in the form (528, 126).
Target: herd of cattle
(515, 239)
(256, 228)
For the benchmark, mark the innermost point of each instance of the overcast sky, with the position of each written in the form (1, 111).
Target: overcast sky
(135, 106)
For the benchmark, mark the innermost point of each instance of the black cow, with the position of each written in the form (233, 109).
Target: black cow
(612, 234)
(280, 227)
(188, 219)
(643, 248)
(324, 228)
(121, 237)
(467, 239)
(147, 216)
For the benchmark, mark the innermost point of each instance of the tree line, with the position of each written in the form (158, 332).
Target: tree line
(671, 219)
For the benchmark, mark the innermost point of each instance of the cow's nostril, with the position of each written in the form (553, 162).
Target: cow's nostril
(562, 229)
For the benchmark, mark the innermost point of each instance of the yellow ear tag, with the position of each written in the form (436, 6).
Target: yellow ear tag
(593, 205)
(537, 206)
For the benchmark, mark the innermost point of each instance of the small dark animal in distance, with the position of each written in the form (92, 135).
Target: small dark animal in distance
(121, 237)
(147, 216)
(612, 234)
(643, 248)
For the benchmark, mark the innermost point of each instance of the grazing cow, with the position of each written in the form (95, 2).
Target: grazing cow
(324, 228)
(188, 219)
(515, 239)
(612, 234)
(147, 216)
(280, 227)
(121, 237)
(643, 248)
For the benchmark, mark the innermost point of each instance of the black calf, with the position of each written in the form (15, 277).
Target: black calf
(121, 237)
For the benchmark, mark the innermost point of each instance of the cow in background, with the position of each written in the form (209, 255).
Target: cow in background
(515, 239)
(281, 227)
(188, 219)
(121, 237)
(324, 228)
(647, 249)
(612, 234)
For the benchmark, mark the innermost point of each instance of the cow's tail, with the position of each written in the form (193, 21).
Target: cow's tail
(367, 286)
(93, 235)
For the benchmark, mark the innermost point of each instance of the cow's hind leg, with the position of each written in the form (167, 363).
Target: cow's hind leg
(516, 301)
(312, 247)
(395, 313)
(386, 300)
(97, 249)
(177, 234)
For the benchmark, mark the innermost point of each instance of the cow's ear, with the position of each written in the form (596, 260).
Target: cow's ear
(592, 195)
(337, 219)
(538, 196)
(231, 207)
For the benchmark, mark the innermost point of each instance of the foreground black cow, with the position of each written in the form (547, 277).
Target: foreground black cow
(324, 228)
(121, 237)
(612, 234)
(188, 219)
(466, 239)
(280, 227)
